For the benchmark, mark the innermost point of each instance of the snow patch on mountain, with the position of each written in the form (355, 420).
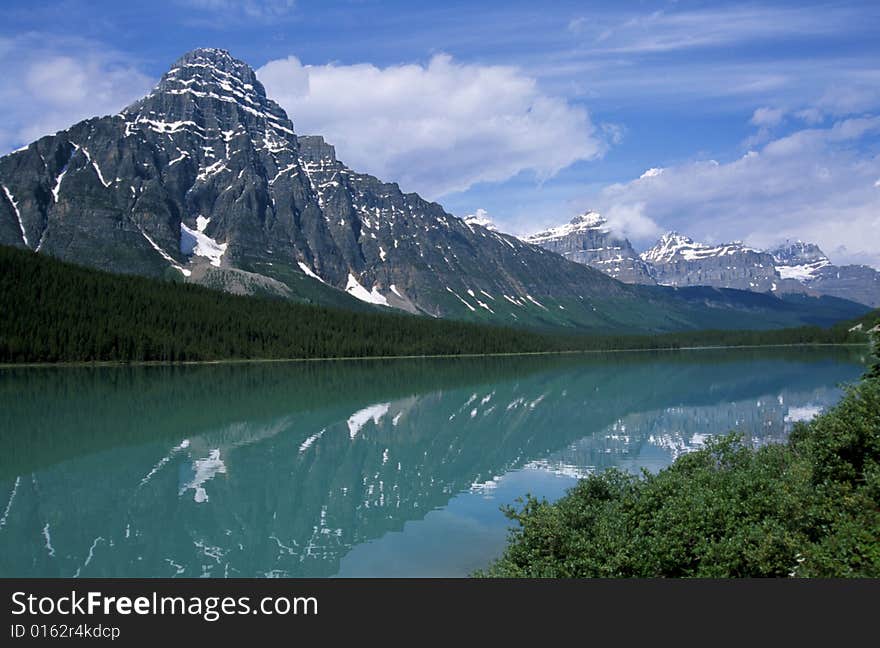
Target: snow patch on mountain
(674, 245)
(309, 272)
(14, 204)
(196, 242)
(800, 261)
(356, 290)
(586, 221)
(162, 253)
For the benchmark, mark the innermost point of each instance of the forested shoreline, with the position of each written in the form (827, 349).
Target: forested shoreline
(56, 312)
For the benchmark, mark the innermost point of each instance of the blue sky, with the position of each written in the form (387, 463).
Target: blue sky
(762, 116)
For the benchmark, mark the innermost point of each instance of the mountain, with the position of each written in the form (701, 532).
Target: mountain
(482, 219)
(587, 239)
(205, 180)
(799, 267)
(806, 263)
(678, 260)
(799, 260)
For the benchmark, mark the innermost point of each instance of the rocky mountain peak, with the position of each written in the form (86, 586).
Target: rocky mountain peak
(799, 253)
(481, 218)
(208, 91)
(668, 246)
(586, 221)
(675, 237)
(588, 240)
(589, 218)
(799, 260)
(678, 260)
(211, 64)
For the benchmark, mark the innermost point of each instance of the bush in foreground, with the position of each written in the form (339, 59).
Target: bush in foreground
(808, 508)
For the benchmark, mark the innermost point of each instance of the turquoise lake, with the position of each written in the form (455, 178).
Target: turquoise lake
(360, 468)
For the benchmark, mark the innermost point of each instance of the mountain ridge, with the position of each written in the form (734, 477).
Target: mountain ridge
(678, 260)
(205, 180)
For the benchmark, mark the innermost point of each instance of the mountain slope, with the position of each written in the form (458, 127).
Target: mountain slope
(205, 180)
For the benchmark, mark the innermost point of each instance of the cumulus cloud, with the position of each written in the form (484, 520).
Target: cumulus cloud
(45, 88)
(439, 127)
(816, 184)
(630, 221)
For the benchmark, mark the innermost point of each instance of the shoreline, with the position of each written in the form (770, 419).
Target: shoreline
(165, 363)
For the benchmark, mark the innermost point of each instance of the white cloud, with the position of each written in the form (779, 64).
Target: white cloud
(45, 88)
(439, 127)
(630, 221)
(673, 30)
(767, 116)
(255, 10)
(810, 116)
(815, 184)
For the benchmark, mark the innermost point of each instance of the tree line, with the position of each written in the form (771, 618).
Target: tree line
(54, 311)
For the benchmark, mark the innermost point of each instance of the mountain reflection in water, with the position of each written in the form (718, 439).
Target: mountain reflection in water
(391, 467)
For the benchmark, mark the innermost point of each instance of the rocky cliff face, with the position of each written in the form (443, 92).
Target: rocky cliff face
(680, 261)
(807, 264)
(587, 239)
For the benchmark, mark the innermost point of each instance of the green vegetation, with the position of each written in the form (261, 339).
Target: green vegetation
(808, 508)
(51, 311)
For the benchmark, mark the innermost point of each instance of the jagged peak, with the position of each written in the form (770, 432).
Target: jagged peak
(219, 59)
(675, 245)
(589, 218)
(587, 221)
(481, 218)
(798, 248)
(674, 236)
(203, 77)
(799, 260)
(208, 65)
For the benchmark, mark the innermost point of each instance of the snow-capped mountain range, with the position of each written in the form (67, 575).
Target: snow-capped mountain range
(678, 260)
(205, 180)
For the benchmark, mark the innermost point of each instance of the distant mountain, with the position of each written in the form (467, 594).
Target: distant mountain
(799, 260)
(678, 260)
(205, 180)
(806, 263)
(482, 219)
(587, 239)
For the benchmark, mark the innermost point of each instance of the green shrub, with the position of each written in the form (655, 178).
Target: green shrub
(810, 507)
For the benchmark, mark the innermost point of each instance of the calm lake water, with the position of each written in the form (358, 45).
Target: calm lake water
(373, 468)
